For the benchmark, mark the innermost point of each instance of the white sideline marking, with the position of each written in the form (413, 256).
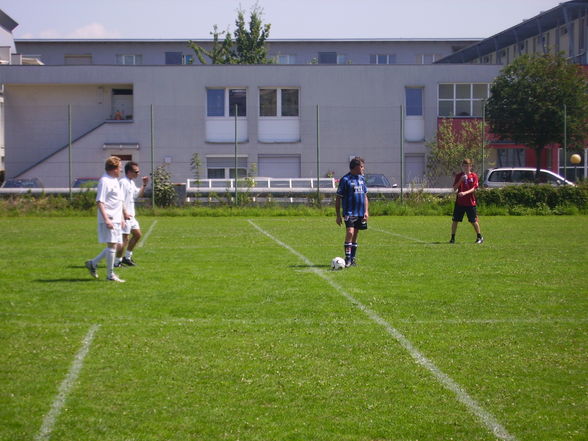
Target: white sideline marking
(147, 234)
(399, 235)
(485, 417)
(66, 386)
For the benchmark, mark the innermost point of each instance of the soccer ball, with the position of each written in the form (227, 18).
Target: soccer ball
(338, 263)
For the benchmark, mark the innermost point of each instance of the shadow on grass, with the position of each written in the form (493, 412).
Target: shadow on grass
(64, 280)
(310, 266)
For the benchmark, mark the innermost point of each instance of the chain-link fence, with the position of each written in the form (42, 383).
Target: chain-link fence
(65, 146)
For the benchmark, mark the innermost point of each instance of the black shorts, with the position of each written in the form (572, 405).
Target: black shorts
(355, 222)
(460, 210)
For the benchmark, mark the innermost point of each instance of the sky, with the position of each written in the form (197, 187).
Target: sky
(298, 19)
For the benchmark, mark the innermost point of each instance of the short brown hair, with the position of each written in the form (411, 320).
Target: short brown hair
(467, 161)
(112, 163)
(355, 162)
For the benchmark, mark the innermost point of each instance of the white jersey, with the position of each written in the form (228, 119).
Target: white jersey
(110, 194)
(130, 192)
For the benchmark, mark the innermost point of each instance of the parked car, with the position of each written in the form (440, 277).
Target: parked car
(86, 183)
(378, 180)
(22, 183)
(500, 177)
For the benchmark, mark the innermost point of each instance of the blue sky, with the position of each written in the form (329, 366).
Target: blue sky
(185, 19)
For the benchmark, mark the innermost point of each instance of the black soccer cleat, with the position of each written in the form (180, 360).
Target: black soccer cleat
(128, 262)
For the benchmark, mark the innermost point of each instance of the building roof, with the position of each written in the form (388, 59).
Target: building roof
(210, 40)
(6, 22)
(556, 16)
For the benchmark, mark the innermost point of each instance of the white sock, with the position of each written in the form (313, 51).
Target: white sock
(96, 260)
(128, 254)
(110, 256)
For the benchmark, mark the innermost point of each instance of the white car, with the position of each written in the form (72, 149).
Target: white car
(500, 177)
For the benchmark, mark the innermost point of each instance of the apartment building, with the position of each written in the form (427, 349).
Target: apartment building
(563, 29)
(322, 102)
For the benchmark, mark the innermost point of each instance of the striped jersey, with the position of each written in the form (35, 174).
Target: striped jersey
(352, 191)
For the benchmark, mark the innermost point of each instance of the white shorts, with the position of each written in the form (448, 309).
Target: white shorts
(131, 224)
(106, 235)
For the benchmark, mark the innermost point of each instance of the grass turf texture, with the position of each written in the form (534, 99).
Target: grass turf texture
(221, 333)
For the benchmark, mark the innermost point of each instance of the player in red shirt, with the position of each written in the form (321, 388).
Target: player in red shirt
(465, 185)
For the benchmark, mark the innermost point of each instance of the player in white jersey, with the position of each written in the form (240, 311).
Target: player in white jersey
(110, 218)
(130, 193)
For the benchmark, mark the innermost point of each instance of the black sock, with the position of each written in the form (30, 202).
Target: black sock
(348, 249)
(353, 250)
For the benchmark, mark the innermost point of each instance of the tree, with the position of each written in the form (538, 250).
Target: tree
(250, 43)
(528, 99)
(220, 53)
(248, 46)
(452, 144)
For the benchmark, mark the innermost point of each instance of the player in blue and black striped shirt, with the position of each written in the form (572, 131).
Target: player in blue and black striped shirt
(352, 194)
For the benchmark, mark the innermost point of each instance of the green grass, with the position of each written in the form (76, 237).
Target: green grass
(222, 333)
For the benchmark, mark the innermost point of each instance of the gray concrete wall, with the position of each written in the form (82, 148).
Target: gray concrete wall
(359, 113)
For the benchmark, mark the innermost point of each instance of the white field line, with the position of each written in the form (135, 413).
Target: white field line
(66, 386)
(398, 235)
(485, 417)
(147, 234)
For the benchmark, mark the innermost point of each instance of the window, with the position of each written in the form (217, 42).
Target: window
(383, 59)
(427, 58)
(173, 58)
(223, 167)
(285, 59)
(222, 105)
(278, 102)
(219, 100)
(129, 59)
(327, 57)
(414, 101)
(462, 99)
(342, 59)
(178, 58)
(279, 111)
(78, 59)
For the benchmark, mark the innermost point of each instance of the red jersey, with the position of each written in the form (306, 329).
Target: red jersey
(463, 183)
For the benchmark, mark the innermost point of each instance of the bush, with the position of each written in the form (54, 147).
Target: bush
(165, 192)
(541, 198)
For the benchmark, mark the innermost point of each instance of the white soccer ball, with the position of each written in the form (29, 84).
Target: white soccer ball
(338, 263)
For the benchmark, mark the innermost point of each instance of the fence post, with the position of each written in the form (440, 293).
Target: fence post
(483, 136)
(236, 162)
(401, 153)
(69, 140)
(152, 159)
(565, 142)
(318, 157)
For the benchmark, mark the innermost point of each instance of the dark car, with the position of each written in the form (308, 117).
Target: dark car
(378, 180)
(86, 183)
(22, 183)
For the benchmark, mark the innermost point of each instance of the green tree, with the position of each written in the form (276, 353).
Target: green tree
(247, 47)
(452, 143)
(220, 52)
(528, 99)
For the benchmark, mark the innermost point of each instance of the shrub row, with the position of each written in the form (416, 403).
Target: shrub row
(514, 200)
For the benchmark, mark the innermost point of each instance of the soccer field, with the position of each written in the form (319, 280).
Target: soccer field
(237, 329)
